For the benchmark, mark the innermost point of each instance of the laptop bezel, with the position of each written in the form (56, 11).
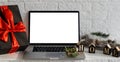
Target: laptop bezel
(53, 43)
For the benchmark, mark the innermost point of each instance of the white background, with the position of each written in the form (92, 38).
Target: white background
(54, 28)
(95, 15)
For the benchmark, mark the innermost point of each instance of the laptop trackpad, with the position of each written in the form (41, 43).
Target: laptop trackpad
(55, 54)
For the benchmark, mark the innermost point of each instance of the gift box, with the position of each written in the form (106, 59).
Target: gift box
(12, 30)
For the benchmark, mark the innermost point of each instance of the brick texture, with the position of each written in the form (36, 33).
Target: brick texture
(95, 15)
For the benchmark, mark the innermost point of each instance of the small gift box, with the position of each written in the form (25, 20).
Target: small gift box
(12, 30)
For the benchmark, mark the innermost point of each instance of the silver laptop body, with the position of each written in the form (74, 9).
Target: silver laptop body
(52, 29)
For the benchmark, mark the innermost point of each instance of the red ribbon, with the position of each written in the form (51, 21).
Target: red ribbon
(9, 27)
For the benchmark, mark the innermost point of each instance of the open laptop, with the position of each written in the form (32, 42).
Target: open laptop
(52, 31)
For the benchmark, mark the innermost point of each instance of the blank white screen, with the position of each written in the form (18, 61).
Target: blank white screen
(53, 27)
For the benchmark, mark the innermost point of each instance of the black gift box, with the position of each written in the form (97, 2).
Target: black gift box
(20, 36)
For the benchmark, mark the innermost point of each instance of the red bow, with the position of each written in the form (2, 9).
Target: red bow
(9, 27)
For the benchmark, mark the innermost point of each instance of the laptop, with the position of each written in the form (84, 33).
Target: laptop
(50, 32)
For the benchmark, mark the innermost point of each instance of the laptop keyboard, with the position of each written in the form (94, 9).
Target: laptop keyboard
(49, 49)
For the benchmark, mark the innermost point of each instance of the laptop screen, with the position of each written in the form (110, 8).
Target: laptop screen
(54, 27)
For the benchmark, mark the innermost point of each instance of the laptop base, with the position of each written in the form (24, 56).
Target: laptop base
(49, 55)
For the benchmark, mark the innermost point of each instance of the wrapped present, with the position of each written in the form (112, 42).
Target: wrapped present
(12, 30)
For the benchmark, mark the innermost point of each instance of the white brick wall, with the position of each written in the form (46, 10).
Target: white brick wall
(95, 15)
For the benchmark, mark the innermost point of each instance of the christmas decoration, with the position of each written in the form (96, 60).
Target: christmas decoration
(116, 52)
(80, 46)
(108, 46)
(100, 34)
(92, 48)
(107, 49)
(71, 51)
